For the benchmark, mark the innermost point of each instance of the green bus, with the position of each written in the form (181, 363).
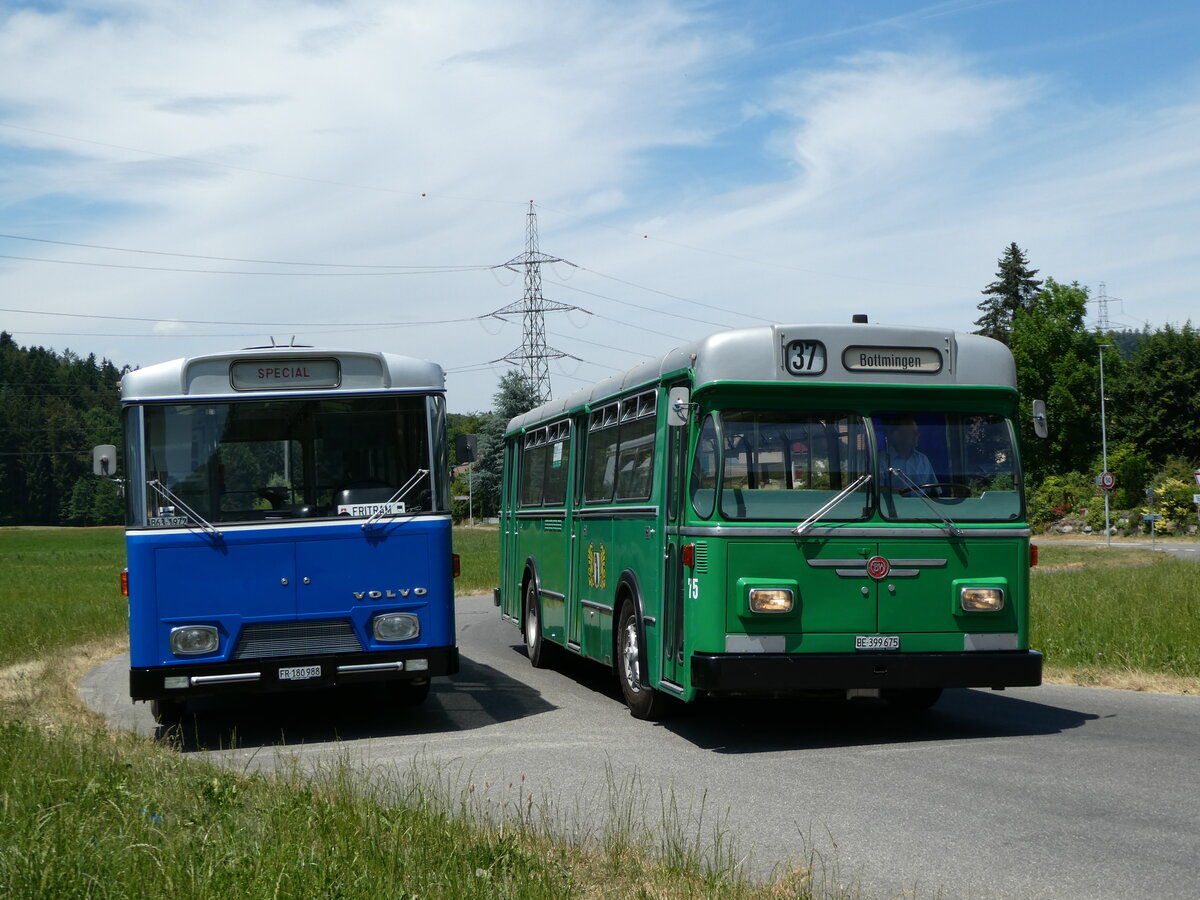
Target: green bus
(779, 510)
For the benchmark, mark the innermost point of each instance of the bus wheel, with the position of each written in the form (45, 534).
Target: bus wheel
(168, 710)
(541, 652)
(408, 693)
(912, 699)
(643, 702)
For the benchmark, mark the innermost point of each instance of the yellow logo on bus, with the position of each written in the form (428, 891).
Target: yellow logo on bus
(597, 566)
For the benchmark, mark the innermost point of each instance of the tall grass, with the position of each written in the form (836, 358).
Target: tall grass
(87, 814)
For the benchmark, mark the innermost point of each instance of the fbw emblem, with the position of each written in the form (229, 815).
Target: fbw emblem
(597, 567)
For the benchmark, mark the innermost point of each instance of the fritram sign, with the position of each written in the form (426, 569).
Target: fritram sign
(917, 360)
(284, 374)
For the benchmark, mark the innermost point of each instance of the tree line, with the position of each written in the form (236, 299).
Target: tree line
(54, 407)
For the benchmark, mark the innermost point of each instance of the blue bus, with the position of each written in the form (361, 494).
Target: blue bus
(288, 525)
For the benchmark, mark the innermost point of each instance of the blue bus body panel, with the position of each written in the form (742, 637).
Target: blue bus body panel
(290, 572)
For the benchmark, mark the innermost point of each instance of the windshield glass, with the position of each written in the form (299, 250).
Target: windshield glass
(962, 466)
(250, 461)
(784, 465)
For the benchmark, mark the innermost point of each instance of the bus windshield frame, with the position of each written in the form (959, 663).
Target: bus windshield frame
(769, 464)
(261, 460)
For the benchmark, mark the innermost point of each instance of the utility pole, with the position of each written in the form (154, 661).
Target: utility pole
(1105, 476)
(533, 353)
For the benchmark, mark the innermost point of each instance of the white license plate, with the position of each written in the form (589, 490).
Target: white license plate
(877, 642)
(299, 673)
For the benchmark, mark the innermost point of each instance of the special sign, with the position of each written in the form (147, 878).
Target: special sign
(918, 360)
(284, 374)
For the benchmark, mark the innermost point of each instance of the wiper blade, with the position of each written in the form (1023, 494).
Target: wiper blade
(842, 495)
(951, 528)
(165, 492)
(384, 511)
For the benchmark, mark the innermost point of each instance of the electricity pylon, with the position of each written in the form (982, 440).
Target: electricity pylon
(533, 354)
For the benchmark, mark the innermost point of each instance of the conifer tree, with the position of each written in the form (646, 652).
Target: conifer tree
(1014, 289)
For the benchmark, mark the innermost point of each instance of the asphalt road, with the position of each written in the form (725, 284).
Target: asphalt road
(1054, 791)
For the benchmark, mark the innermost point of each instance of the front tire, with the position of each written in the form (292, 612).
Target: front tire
(168, 711)
(541, 652)
(912, 700)
(644, 702)
(408, 693)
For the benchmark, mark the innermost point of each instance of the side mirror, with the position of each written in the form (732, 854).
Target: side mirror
(679, 406)
(104, 460)
(1040, 427)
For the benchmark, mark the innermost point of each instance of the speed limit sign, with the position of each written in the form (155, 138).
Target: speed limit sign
(1106, 481)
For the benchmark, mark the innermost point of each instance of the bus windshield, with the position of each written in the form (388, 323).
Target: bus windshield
(253, 460)
(958, 465)
(782, 464)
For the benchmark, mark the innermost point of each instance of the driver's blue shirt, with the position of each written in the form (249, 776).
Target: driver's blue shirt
(916, 466)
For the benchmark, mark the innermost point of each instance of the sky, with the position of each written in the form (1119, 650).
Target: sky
(179, 178)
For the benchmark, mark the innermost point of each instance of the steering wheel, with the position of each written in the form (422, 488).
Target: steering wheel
(951, 488)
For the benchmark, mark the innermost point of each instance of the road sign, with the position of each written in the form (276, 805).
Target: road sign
(1197, 474)
(1153, 518)
(1196, 499)
(1105, 480)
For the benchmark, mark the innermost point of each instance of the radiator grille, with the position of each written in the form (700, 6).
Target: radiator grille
(268, 639)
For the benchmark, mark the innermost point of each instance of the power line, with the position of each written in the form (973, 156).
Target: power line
(432, 270)
(42, 312)
(262, 262)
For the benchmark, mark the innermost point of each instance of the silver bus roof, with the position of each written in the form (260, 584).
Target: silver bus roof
(210, 375)
(756, 355)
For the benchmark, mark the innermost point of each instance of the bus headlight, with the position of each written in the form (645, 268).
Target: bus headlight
(976, 599)
(771, 600)
(397, 627)
(193, 640)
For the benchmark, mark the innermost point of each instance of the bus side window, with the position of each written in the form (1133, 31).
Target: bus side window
(635, 463)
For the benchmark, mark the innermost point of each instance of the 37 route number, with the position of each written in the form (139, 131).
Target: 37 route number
(804, 357)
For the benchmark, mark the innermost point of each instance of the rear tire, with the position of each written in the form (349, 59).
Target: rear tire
(644, 702)
(542, 653)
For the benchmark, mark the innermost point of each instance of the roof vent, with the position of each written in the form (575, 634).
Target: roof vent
(859, 319)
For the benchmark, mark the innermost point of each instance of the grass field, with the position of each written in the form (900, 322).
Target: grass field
(88, 813)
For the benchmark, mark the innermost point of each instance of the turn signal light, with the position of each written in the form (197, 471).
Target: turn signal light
(457, 567)
(688, 555)
(124, 582)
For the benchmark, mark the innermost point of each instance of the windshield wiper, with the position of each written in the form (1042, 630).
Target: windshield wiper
(384, 511)
(845, 492)
(165, 493)
(951, 528)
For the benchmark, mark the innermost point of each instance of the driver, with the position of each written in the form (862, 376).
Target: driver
(902, 453)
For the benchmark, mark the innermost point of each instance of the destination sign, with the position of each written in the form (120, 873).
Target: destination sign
(918, 360)
(284, 374)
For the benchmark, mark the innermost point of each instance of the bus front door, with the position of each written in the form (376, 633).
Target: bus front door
(674, 571)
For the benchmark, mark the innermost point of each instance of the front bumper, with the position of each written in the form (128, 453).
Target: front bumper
(261, 675)
(775, 673)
